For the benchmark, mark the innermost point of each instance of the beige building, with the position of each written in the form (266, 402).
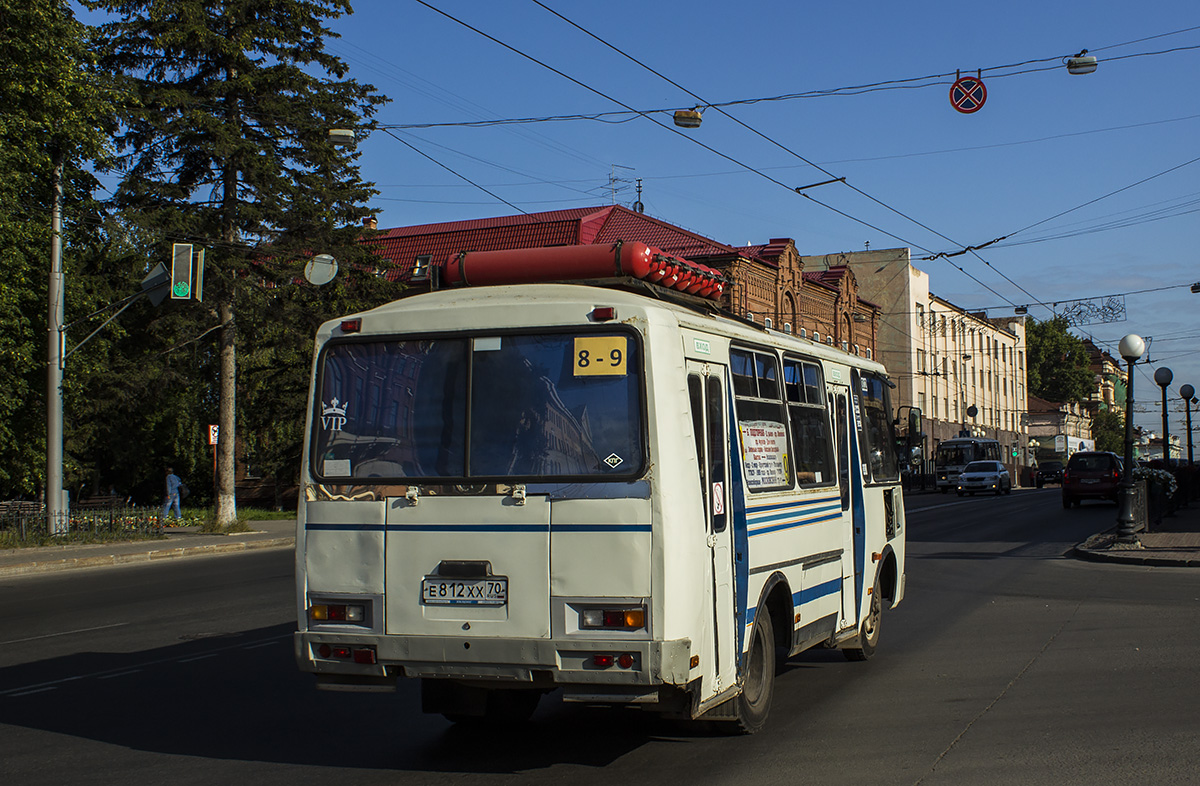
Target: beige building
(943, 359)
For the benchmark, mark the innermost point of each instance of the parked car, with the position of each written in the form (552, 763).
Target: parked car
(984, 476)
(1048, 472)
(1091, 475)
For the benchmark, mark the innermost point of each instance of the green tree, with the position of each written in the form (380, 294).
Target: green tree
(1058, 362)
(1108, 430)
(54, 110)
(224, 143)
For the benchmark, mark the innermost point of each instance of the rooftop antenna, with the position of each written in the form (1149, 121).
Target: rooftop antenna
(638, 207)
(613, 181)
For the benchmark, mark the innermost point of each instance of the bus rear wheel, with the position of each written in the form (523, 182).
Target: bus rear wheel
(868, 635)
(754, 702)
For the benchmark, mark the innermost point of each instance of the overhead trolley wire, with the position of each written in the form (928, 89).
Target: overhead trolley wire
(788, 150)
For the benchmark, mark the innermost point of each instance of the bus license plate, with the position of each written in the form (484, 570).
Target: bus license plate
(492, 591)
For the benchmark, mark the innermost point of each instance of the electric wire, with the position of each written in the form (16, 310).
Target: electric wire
(786, 149)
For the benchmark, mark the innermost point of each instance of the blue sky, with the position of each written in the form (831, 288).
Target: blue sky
(1044, 143)
(1094, 179)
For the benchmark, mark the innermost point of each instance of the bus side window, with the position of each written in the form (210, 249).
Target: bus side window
(843, 450)
(716, 450)
(696, 399)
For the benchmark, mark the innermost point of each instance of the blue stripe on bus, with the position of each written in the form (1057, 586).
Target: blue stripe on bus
(809, 594)
(795, 524)
(798, 502)
(790, 511)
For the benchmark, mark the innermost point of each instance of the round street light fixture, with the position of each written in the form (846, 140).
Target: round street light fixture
(1131, 348)
(1163, 377)
(1188, 393)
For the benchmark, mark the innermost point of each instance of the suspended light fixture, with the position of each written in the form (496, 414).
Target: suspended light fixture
(688, 118)
(1082, 63)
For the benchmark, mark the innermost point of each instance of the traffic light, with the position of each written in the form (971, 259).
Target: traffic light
(181, 271)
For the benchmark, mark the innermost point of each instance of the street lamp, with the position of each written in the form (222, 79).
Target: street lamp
(1131, 348)
(1163, 377)
(1188, 393)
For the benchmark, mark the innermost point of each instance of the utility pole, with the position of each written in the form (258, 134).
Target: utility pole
(55, 512)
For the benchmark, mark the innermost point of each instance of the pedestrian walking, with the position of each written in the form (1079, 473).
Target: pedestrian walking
(173, 485)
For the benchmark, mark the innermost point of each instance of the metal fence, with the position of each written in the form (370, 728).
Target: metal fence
(27, 521)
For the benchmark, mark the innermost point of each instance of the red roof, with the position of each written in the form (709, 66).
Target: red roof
(578, 226)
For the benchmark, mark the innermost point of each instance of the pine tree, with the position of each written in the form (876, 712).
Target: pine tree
(224, 144)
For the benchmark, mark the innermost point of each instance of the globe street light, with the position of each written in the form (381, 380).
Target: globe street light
(1163, 377)
(1131, 348)
(1188, 393)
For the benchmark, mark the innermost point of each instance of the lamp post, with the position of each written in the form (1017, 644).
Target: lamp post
(1131, 348)
(1163, 377)
(1188, 393)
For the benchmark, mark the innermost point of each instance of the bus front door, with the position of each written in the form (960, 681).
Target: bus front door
(706, 391)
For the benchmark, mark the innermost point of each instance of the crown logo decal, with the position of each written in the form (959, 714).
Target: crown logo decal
(334, 408)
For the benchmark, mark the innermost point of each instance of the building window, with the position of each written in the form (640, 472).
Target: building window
(845, 346)
(856, 350)
(750, 315)
(816, 337)
(767, 322)
(803, 333)
(868, 353)
(787, 327)
(829, 340)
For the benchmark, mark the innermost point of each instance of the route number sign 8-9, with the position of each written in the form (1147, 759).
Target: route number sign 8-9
(600, 356)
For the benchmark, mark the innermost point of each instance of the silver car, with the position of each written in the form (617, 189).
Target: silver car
(984, 476)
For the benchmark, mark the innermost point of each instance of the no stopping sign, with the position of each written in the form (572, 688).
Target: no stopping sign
(968, 94)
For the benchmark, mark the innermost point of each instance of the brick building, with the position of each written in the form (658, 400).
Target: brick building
(769, 284)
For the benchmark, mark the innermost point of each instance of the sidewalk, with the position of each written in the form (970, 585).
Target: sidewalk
(180, 542)
(1175, 541)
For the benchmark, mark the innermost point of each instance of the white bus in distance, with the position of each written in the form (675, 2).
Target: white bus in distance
(954, 454)
(616, 492)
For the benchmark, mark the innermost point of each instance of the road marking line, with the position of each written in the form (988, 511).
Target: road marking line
(31, 692)
(64, 633)
(196, 658)
(120, 674)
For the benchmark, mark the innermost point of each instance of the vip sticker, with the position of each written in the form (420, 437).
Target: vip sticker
(613, 460)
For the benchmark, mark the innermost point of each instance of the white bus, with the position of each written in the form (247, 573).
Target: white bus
(513, 489)
(954, 454)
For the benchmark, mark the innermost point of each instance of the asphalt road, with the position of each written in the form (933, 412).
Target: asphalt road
(1006, 663)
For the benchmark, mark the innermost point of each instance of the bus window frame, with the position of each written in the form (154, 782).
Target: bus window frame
(638, 472)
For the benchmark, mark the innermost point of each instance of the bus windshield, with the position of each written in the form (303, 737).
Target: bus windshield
(955, 455)
(504, 408)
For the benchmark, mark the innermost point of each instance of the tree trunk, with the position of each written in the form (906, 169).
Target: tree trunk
(226, 510)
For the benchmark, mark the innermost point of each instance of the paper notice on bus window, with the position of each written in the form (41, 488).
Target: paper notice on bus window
(764, 451)
(336, 468)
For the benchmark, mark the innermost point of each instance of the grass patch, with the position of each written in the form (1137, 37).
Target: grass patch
(207, 522)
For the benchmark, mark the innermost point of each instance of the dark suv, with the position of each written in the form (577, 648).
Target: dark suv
(1091, 475)
(1048, 472)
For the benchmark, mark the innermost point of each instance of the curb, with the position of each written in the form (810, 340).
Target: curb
(48, 566)
(1135, 559)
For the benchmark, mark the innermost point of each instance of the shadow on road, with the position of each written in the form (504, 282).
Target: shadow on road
(241, 697)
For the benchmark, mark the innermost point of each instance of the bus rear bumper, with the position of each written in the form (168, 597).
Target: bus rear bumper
(346, 665)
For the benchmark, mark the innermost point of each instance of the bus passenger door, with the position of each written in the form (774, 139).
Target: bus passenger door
(846, 438)
(706, 392)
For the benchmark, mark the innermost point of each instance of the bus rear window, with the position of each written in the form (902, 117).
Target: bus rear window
(513, 407)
